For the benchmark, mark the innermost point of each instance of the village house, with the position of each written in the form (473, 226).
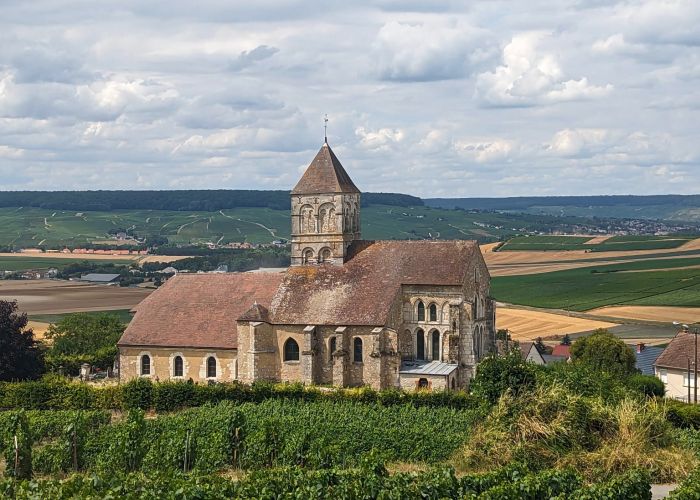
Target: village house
(675, 366)
(348, 312)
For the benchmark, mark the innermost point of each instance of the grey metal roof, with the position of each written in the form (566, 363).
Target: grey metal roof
(646, 359)
(99, 278)
(427, 368)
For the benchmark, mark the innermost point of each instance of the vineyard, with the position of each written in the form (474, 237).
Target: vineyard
(523, 433)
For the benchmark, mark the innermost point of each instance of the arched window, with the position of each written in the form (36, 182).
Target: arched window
(291, 350)
(454, 325)
(435, 339)
(420, 344)
(145, 364)
(211, 367)
(325, 255)
(423, 383)
(307, 219)
(178, 368)
(308, 256)
(332, 345)
(421, 311)
(433, 312)
(357, 350)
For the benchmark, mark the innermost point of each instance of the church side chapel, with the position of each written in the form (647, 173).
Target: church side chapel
(347, 312)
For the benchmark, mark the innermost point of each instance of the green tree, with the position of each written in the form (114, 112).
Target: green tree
(604, 351)
(20, 355)
(566, 340)
(84, 338)
(497, 374)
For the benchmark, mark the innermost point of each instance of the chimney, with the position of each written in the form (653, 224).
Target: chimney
(640, 347)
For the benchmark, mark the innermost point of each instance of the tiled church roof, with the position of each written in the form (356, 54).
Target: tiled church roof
(201, 310)
(198, 310)
(325, 174)
(362, 291)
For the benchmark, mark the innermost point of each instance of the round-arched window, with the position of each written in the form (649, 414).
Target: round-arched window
(178, 366)
(291, 350)
(211, 367)
(145, 364)
(421, 311)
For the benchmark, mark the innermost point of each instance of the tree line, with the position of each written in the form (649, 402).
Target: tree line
(179, 200)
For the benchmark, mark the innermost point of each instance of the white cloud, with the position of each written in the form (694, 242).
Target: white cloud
(530, 76)
(486, 151)
(423, 51)
(381, 139)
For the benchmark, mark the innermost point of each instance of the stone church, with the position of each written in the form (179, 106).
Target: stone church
(347, 312)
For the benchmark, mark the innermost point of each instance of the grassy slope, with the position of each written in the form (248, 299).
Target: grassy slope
(590, 287)
(28, 227)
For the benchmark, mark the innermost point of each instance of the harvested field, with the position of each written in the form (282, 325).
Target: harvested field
(77, 257)
(597, 240)
(527, 324)
(665, 314)
(515, 263)
(52, 297)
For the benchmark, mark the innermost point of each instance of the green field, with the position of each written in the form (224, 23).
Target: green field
(21, 263)
(123, 314)
(546, 243)
(591, 287)
(616, 243)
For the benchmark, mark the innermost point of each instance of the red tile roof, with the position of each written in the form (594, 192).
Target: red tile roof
(562, 350)
(325, 174)
(198, 310)
(677, 352)
(362, 291)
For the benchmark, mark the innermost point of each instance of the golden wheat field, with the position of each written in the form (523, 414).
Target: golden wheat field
(526, 324)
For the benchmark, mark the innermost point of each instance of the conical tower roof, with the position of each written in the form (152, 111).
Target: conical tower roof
(325, 174)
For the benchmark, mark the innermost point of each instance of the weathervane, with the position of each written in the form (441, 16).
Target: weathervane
(325, 128)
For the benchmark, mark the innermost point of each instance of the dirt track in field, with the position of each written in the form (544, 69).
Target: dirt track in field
(51, 297)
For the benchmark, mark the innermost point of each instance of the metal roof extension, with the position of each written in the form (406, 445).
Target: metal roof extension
(427, 368)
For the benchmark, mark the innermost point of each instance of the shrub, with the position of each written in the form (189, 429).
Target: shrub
(497, 374)
(683, 415)
(647, 385)
(137, 394)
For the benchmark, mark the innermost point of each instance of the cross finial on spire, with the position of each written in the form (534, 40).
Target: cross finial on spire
(325, 129)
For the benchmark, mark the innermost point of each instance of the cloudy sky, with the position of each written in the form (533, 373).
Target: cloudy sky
(432, 98)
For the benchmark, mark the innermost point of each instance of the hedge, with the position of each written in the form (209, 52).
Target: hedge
(54, 394)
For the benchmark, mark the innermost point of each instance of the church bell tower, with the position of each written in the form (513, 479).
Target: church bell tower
(325, 212)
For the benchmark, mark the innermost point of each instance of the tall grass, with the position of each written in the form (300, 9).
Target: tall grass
(552, 427)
